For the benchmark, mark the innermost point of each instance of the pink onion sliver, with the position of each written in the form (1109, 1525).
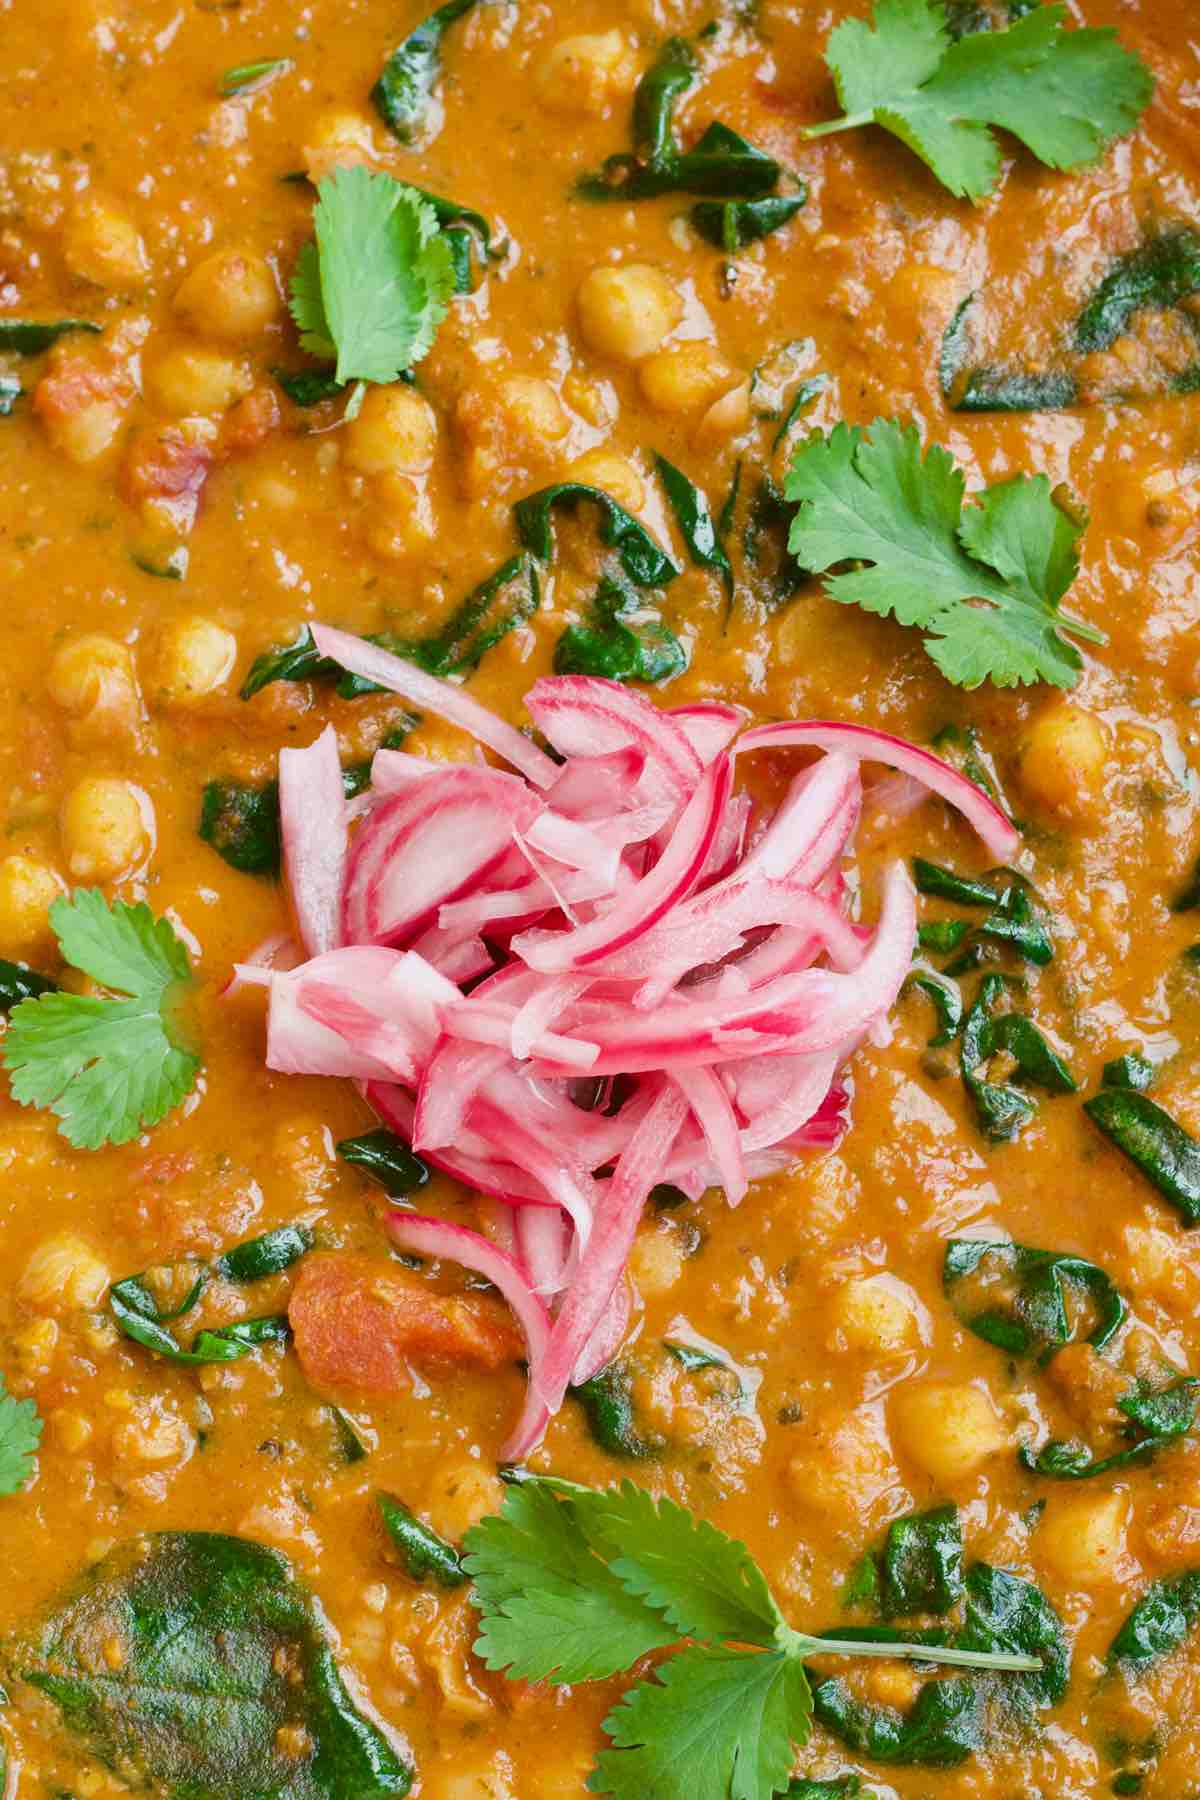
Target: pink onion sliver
(451, 1080)
(315, 833)
(603, 1263)
(608, 1336)
(586, 715)
(709, 725)
(454, 1243)
(997, 832)
(716, 1118)
(671, 879)
(542, 1237)
(499, 1181)
(433, 695)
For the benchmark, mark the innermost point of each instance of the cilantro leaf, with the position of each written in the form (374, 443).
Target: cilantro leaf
(1065, 94)
(109, 1068)
(551, 1609)
(374, 287)
(714, 1725)
(705, 1583)
(20, 1435)
(985, 582)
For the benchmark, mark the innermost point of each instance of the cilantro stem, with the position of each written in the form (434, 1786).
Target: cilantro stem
(1091, 634)
(848, 122)
(930, 1653)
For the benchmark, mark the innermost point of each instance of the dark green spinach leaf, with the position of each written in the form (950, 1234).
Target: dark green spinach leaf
(18, 983)
(642, 560)
(225, 1687)
(1161, 1622)
(424, 1556)
(404, 90)
(621, 639)
(921, 1569)
(732, 224)
(268, 1255)
(388, 1158)
(1028, 1315)
(242, 825)
(1001, 1107)
(607, 1402)
(1154, 1142)
(29, 337)
(695, 521)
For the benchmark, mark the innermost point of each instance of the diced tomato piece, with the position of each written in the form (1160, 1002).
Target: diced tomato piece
(249, 424)
(169, 464)
(359, 1322)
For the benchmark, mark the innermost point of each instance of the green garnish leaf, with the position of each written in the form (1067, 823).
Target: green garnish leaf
(984, 582)
(1066, 94)
(551, 1609)
(20, 1435)
(607, 1402)
(260, 1257)
(373, 288)
(715, 1724)
(109, 1068)
(732, 224)
(575, 1584)
(241, 823)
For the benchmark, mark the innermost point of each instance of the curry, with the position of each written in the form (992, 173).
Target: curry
(518, 349)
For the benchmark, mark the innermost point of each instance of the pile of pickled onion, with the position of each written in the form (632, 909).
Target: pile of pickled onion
(596, 971)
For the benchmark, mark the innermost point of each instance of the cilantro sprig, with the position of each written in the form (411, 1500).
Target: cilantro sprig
(1065, 94)
(985, 582)
(20, 1435)
(372, 288)
(574, 1584)
(109, 1067)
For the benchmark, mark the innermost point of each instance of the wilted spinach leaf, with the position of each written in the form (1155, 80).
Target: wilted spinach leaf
(642, 560)
(1024, 1296)
(402, 94)
(18, 983)
(1163, 1619)
(621, 639)
(1154, 1142)
(224, 1688)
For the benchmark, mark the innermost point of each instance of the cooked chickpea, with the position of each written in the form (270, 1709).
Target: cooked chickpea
(949, 1430)
(28, 888)
(231, 294)
(403, 521)
(656, 1262)
(1082, 1537)
(725, 418)
(585, 73)
(1063, 758)
(103, 245)
(64, 1274)
(685, 377)
(893, 1684)
(462, 1492)
(195, 659)
(875, 1314)
(83, 432)
(615, 475)
(844, 1471)
(506, 424)
(193, 379)
(394, 433)
(340, 139)
(628, 312)
(104, 831)
(84, 667)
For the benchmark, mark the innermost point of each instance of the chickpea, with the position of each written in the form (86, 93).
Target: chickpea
(394, 433)
(656, 1262)
(195, 659)
(83, 667)
(1082, 1538)
(725, 418)
(875, 1314)
(28, 888)
(64, 1274)
(949, 1430)
(340, 140)
(586, 73)
(893, 1684)
(194, 379)
(615, 475)
(463, 1491)
(685, 377)
(230, 295)
(506, 424)
(103, 245)
(1063, 759)
(104, 830)
(628, 312)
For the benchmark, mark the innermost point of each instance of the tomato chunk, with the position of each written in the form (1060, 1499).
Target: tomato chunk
(359, 1323)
